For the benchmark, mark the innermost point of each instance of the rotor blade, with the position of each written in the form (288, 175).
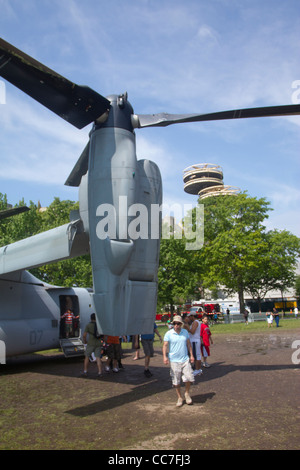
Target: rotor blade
(163, 119)
(77, 104)
(14, 211)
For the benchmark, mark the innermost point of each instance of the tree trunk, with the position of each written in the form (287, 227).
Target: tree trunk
(259, 303)
(241, 298)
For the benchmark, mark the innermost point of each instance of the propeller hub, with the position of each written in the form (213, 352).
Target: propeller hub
(119, 115)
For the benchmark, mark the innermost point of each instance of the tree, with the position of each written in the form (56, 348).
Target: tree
(275, 266)
(238, 251)
(58, 213)
(233, 240)
(177, 273)
(18, 226)
(70, 272)
(3, 201)
(297, 287)
(74, 272)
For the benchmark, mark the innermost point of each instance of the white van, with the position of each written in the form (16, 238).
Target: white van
(234, 307)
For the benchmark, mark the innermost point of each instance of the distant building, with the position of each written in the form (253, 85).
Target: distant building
(169, 226)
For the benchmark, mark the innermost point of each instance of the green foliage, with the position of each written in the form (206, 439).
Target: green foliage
(72, 272)
(67, 273)
(75, 272)
(176, 277)
(275, 267)
(297, 287)
(58, 213)
(3, 202)
(19, 226)
(241, 213)
(238, 255)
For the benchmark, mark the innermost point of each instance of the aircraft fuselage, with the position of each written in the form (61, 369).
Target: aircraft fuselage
(30, 313)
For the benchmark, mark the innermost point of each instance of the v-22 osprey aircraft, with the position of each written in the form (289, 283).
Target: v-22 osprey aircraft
(124, 267)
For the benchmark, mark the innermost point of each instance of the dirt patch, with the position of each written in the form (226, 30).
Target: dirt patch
(248, 399)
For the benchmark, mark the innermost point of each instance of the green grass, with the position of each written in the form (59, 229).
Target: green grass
(236, 328)
(223, 328)
(285, 324)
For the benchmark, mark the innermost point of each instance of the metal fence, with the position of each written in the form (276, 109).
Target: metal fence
(238, 318)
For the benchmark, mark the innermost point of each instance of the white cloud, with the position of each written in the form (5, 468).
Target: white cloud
(206, 32)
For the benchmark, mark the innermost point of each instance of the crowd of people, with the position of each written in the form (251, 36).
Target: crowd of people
(110, 348)
(186, 347)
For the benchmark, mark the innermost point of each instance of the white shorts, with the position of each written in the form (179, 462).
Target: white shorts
(184, 369)
(204, 352)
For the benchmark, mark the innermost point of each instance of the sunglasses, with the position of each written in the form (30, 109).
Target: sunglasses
(176, 323)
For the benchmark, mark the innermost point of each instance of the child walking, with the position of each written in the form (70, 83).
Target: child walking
(206, 340)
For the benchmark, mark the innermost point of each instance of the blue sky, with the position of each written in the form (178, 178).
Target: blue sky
(192, 56)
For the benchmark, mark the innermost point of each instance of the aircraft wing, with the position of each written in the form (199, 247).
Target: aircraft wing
(48, 247)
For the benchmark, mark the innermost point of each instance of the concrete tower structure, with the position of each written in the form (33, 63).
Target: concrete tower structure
(206, 179)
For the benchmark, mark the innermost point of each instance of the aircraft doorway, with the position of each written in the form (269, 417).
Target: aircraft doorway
(69, 316)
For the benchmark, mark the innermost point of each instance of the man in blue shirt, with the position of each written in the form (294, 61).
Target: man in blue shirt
(147, 343)
(177, 342)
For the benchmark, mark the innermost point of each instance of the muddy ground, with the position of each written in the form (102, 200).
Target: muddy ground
(248, 399)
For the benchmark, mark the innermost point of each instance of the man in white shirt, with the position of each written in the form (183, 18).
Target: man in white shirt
(177, 342)
(192, 325)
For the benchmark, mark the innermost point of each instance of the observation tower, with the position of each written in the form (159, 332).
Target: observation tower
(206, 179)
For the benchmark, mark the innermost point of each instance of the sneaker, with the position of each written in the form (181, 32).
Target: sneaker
(198, 372)
(179, 402)
(148, 373)
(83, 374)
(115, 369)
(188, 399)
(206, 364)
(107, 369)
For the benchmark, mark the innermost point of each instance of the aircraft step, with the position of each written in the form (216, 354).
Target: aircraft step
(72, 347)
